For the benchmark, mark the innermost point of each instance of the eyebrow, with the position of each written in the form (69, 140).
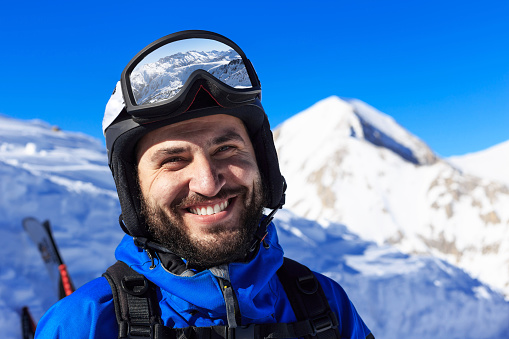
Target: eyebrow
(167, 151)
(228, 135)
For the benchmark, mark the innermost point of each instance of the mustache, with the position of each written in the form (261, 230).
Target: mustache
(196, 198)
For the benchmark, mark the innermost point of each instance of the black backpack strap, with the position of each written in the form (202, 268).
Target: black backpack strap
(308, 300)
(137, 309)
(135, 300)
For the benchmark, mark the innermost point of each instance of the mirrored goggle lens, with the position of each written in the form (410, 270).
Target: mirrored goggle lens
(162, 73)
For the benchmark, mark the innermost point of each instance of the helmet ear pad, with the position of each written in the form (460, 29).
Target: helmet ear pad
(125, 174)
(266, 157)
(124, 163)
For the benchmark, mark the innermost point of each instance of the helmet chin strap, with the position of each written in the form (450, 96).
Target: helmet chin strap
(261, 232)
(149, 246)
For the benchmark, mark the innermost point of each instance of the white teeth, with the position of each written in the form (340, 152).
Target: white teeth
(209, 210)
(217, 209)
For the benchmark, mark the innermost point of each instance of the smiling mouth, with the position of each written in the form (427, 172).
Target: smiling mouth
(210, 209)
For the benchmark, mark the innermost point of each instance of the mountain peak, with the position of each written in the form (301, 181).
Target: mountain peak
(334, 117)
(347, 162)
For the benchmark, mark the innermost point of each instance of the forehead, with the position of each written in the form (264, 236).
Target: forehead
(194, 130)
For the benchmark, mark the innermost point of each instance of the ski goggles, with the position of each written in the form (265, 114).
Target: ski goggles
(162, 80)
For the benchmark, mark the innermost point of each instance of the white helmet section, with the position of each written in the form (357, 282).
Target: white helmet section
(113, 108)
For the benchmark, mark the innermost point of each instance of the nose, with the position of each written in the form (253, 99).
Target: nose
(206, 177)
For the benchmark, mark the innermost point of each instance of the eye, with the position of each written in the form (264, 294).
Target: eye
(172, 161)
(224, 148)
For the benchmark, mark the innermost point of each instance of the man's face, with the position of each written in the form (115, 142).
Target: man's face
(201, 188)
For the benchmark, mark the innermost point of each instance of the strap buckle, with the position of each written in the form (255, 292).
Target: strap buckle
(307, 284)
(135, 285)
(139, 330)
(323, 323)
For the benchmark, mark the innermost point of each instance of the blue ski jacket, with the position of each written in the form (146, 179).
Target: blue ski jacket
(195, 300)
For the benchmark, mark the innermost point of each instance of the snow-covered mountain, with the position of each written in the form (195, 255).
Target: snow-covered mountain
(491, 163)
(346, 162)
(62, 176)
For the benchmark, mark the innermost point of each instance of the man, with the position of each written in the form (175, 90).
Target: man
(194, 162)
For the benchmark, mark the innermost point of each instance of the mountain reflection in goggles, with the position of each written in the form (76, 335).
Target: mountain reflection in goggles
(162, 73)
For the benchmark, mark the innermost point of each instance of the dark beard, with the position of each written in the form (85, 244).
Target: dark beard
(229, 245)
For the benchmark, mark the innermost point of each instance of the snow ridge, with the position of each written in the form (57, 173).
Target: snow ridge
(492, 163)
(382, 130)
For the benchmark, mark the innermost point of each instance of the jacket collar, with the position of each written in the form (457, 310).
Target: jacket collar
(250, 280)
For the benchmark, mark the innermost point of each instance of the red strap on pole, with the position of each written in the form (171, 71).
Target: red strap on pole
(66, 281)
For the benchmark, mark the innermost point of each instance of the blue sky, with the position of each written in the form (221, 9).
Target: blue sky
(440, 68)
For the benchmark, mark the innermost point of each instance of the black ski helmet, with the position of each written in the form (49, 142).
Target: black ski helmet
(210, 86)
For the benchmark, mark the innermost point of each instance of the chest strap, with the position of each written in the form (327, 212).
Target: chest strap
(138, 313)
(136, 303)
(308, 300)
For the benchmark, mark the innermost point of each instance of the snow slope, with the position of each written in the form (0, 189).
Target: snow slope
(397, 295)
(346, 162)
(64, 177)
(492, 163)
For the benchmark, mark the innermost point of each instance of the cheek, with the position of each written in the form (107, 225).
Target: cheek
(160, 189)
(244, 171)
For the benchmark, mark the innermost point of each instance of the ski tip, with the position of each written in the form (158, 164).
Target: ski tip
(26, 222)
